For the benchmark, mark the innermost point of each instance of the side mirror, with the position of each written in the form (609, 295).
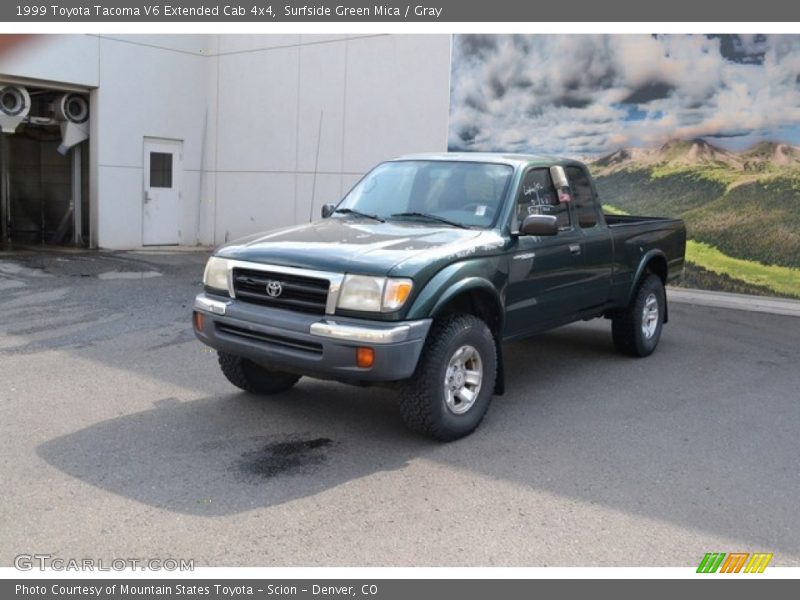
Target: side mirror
(539, 225)
(327, 210)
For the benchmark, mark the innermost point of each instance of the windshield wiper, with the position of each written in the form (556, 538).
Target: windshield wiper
(358, 213)
(432, 218)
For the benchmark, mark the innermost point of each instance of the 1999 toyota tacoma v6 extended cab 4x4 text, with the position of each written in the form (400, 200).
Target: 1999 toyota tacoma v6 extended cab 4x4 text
(423, 270)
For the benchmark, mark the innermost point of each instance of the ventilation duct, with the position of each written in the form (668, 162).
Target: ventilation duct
(15, 104)
(72, 112)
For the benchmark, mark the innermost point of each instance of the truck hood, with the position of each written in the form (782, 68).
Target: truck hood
(356, 245)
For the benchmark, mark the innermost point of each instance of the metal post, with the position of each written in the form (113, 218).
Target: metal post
(77, 218)
(5, 204)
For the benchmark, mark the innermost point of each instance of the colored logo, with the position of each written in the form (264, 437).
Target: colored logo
(734, 562)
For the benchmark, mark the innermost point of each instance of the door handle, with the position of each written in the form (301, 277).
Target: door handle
(146, 197)
(575, 248)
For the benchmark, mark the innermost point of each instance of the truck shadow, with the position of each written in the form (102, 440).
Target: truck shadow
(236, 452)
(565, 427)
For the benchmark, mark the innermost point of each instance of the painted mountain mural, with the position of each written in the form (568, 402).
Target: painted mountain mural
(742, 209)
(702, 127)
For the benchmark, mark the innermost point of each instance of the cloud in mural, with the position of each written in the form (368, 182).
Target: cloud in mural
(585, 95)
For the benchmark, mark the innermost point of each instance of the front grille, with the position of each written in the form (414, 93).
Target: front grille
(303, 294)
(270, 339)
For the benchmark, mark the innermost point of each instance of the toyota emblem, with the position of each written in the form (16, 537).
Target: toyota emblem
(274, 289)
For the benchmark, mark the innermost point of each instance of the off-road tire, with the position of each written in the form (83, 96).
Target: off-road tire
(247, 375)
(626, 327)
(422, 398)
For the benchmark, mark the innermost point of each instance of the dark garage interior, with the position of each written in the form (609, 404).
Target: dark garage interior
(44, 169)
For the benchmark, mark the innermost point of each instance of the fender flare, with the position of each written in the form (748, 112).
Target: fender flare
(643, 262)
(469, 284)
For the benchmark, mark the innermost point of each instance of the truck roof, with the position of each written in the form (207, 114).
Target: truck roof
(493, 157)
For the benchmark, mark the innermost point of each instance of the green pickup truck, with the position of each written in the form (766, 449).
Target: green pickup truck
(420, 274)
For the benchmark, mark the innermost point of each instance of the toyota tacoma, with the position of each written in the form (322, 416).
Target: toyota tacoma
(421, 273)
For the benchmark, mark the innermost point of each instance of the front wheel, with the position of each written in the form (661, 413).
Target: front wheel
(637, 330)
(247, 375)
(452, 387)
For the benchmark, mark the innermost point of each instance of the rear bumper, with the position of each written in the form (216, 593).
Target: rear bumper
(319, 346)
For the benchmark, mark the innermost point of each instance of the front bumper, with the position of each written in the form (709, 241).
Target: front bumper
(319, 346)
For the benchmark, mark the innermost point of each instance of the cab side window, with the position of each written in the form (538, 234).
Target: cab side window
(537, 196)
(583, 197)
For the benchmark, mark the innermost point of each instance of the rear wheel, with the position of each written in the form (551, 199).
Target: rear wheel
(452, 387)
(637, 330)
(253, 378)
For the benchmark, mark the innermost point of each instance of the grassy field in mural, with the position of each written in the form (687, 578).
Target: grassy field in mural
(783, 281)
(742, 210)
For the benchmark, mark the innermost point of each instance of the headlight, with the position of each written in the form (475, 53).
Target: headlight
(373, 294)
(361, 293)
(216, 274)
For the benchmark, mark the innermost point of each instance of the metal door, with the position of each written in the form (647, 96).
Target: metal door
(163, 177)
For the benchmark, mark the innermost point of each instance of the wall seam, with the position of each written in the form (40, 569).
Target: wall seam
(344, 116)
(216, 144)
(234, 52)
(297, 129)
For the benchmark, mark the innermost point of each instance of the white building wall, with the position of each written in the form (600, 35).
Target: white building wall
(149, 86)
(65, 59)
(376, 97)
(248, 109)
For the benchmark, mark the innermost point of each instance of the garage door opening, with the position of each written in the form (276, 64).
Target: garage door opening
(44, 167)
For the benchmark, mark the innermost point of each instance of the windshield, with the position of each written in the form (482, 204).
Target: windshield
(448, 192)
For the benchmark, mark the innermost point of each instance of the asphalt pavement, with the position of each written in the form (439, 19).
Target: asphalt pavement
(119, 437)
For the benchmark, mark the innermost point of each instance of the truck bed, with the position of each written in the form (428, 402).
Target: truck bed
(636, 236)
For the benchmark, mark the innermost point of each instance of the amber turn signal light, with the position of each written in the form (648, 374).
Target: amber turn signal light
(365, 357)
(199, 321)
(396, 293)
